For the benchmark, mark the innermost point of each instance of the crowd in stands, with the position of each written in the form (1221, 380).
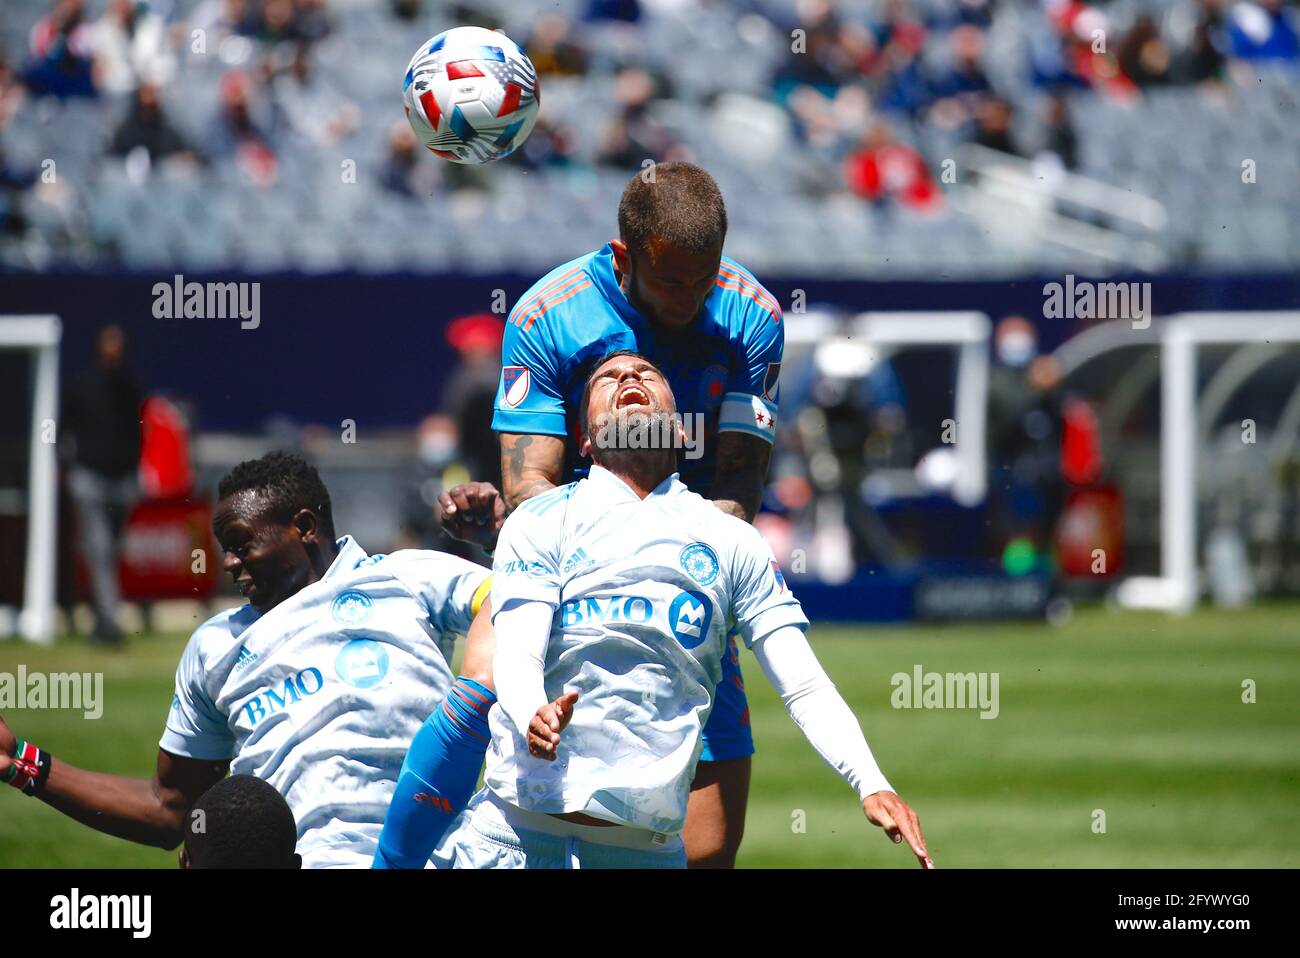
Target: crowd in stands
(872, 94)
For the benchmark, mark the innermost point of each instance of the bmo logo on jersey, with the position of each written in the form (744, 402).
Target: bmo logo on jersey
(276, 699)
(689, 615)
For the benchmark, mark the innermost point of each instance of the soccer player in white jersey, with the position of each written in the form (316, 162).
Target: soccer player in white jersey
(612, 598)
(317, 685)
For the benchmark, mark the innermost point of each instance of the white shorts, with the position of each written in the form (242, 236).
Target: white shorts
(491, 833)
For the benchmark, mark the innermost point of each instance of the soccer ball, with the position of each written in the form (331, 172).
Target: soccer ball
(471, 95)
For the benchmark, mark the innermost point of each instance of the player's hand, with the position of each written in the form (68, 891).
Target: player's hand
(474, 512)
(898, 820)
(545, 728)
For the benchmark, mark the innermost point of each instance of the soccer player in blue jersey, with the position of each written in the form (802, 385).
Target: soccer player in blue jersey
(664, 289)
(316, 685)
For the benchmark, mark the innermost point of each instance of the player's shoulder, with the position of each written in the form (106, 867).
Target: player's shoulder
(213, 639)
(744, 298)
(549, 503)
(559, 305)
(423, 562)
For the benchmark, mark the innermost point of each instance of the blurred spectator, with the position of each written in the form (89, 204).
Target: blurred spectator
(405, 170)
(1060, 136)
(635, 135)
(309, 106)
(408, 11)
(962, 88)
(146, 127)
(885, 171)
(312, 20)
(903, 87)
(548, 146)
(1024, 436)
(101, 433)
(234, 135)
(219, 19)
(993, 126)
(1264, 31)
(554, 50)
(131, 47)
(62, 53)
(1142, 54)
(469, 394)
(1202, 59)
(278, 23)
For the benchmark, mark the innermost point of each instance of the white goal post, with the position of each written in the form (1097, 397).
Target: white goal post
(1180, 337)
(39, 336)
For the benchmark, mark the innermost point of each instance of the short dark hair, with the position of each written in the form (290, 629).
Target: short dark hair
(241, 822)
(287, 481)
(680, 205)
(585, 402)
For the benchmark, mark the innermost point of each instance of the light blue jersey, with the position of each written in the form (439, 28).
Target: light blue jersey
(322, 695)
(645, 592)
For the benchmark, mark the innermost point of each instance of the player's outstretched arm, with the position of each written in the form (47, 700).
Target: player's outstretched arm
(741, 473)
(148, 811)
(832, 729)
(530, 464)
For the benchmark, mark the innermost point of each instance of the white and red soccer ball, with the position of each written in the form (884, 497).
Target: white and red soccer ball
(471, 95)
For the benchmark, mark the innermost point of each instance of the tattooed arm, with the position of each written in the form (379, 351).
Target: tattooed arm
(741, 473)
(530, 464)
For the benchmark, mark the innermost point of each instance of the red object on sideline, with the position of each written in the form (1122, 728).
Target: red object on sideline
(165, 470)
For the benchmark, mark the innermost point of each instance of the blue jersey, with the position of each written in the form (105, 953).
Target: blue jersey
(723, 367)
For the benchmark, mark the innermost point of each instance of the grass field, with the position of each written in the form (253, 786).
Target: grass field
(1139, 716)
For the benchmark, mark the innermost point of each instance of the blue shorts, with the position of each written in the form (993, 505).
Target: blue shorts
(727, 734)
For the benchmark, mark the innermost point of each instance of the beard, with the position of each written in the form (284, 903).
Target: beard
(633, 430)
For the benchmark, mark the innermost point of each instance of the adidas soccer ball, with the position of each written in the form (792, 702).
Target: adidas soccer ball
(471, 95)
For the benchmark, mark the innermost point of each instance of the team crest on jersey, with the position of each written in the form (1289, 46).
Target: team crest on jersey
(700, 563)
(689, 618)
(515, 381)
(352, 607)
(362, 663)
(770, 381)
(713, 385)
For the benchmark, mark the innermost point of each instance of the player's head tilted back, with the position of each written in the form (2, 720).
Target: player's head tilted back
(240, 822)
(275, 526)
(671, 224)
(629, 414)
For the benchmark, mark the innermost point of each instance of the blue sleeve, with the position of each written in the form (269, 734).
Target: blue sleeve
(753, 383)
(530, 396)
(195, 726)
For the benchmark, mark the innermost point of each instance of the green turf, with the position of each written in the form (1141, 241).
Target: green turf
(1139, 716)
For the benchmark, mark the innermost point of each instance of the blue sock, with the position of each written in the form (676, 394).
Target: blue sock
(438, 776)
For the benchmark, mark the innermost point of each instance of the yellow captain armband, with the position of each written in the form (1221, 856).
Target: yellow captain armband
(480, 595)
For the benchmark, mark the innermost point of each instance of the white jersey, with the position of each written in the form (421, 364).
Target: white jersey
(644, 592)
(322, 695)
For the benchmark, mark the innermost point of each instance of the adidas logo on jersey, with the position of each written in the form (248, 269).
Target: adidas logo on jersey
(578, 561)
(246, 658)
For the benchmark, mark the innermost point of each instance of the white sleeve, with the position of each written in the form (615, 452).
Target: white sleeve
(818, 709)
(518, 666)
(195, 728)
